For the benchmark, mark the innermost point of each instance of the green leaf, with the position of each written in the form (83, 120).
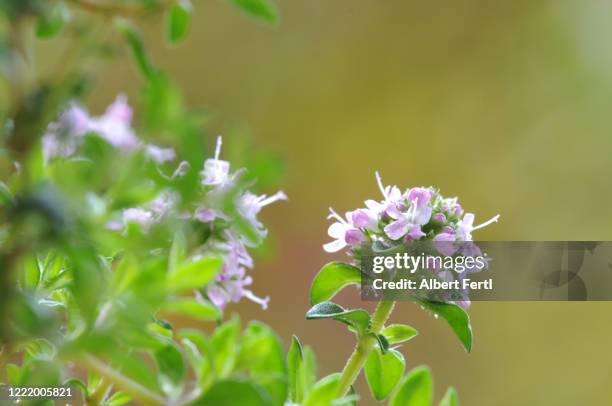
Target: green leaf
(13, 374)
(41, 373)
(6, 197)
(193, 308)
(263, 9)
(308, 375)
(30, 276)
(194, 274)
(261, 355)
(223, 342)
(76, 383)
(350, 399)
(137, 47)
(171, 367)
(324, 391)
(294, 364)
(331, 279)
(40, 349)
(177, 251)
(233, 393)
(50, 24)
(136, 368)
(178, 19)
(456, 317)
(199, 352)
(301, 371)
(450, 398)
(383, 344)
(416, 390)
(118, 399)
(399, 333)
(359, 319)
(383, 372)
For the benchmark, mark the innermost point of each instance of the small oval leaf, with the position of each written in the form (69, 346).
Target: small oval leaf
(416, 390)
(456, 317)
(51, 24)
(193, 308)
(399, 333)
(194, 274)
(262, 9)
(294, 365)
(324, 391)
(234, 392)
(178, 20)
(137, 47)
(450, 398)
(383, 372)
(331, 279)
(357, 318)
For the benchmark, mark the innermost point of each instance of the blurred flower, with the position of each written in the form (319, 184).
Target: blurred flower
(219, 186)
(115, 125)
(249, 205)
(62, 138)
(158, 154)
(230, 284)
(216, 171)
(138, 216)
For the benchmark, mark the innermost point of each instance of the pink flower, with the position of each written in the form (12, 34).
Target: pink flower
(138, 216)
(420, 196)
(230, 284)
(343, 232)
(415, 216)
(444, 243)
(364, 218)
(115, 125)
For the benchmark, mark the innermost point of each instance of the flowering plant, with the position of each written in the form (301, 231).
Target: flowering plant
(416, 214)
(114, 249)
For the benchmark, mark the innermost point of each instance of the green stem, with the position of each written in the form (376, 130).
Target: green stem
(133, 388)
(364, 346)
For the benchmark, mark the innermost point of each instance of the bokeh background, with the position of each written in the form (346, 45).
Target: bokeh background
(505, 104)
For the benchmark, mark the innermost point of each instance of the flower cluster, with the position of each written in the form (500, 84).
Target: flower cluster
(223, 203)
(218, 182)
(419, 213)
(63, 137)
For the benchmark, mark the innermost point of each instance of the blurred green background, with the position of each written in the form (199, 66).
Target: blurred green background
(505, 104)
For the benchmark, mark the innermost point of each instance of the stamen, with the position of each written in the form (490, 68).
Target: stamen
(486, 223)
(218, 147)
(380, 185)
(334, 215)
(280, 195)
(263, 302)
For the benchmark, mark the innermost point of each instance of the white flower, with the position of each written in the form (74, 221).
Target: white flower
(216, 171)
(391, 194)
(158, 154)
(465, 226)
(138, 216)
(343, 232)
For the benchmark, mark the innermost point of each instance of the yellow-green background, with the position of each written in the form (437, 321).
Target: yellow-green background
(507, 104)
